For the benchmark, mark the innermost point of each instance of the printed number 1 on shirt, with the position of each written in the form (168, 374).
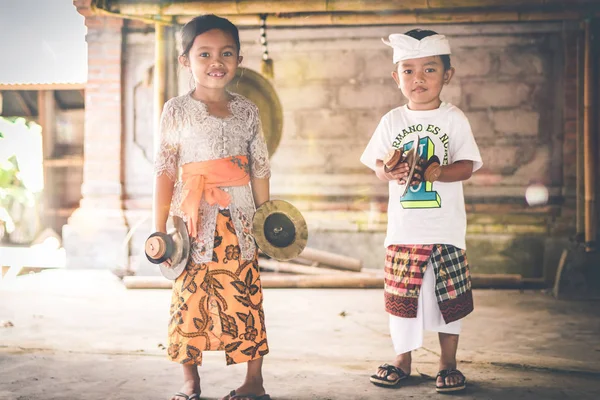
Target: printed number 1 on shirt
(422, 195)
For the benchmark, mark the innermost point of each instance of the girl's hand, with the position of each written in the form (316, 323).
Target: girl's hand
(167, 263)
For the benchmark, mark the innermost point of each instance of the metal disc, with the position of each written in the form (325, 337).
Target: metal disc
(181, 249)
(280, 230)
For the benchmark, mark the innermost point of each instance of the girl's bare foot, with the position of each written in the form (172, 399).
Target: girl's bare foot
(247, 388)
(253, 384)
(191, 383)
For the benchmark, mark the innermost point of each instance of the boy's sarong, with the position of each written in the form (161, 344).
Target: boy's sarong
(405, 266)
(218, 305)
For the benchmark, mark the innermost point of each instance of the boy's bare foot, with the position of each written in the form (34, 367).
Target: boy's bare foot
(452, 379)
(190, 387)
(449, 378)
(385, 376)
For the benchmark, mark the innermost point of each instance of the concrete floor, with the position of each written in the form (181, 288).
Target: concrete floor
(81, 334)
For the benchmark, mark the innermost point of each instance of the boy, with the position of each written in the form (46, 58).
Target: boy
(427, 281)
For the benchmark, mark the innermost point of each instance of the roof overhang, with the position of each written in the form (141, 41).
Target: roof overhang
(351, 12)
(42, 86)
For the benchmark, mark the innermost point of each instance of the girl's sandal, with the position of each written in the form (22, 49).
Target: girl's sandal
(383, 381)
(193, 396)
(450, 388)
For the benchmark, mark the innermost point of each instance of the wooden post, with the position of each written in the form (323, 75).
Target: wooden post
(46, 115)
(589, 142)
(160, 78)
(46, 119)
(580, 178)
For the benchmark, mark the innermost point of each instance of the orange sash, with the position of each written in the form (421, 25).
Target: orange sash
(205, 179)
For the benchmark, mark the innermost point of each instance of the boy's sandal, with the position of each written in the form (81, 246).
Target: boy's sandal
(193, 396)
(445, 373)
(233, 396)
(384, 380)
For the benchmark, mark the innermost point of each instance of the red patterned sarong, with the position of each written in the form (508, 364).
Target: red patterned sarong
(405, 266)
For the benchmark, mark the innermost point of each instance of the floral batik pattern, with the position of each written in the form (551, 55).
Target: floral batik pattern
(218, 305)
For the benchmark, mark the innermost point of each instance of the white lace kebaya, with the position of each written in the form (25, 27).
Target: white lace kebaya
(188, 133)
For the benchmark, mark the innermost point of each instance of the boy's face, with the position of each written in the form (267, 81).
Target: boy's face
(213, 59)
(421, 81)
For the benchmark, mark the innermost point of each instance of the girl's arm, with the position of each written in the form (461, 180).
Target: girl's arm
(260, 190)
(163, 192)
(166, 166)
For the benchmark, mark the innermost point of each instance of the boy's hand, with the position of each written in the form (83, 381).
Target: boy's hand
(399, 174)
(428, 171)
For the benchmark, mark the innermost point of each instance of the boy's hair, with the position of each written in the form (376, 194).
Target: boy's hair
(205, 23)
(423, 33)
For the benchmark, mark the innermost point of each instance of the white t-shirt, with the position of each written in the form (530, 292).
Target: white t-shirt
(429, 213)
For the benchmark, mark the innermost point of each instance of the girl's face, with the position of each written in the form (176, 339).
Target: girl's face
(212, 59)
(421, 81)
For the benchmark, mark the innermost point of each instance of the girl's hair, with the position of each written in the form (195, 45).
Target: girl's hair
(205, 23)
(423, 33)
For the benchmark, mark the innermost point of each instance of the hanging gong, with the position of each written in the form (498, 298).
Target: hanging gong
(280, 230)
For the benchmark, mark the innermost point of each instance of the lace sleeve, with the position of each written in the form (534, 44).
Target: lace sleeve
(257, 149)
(167, 157)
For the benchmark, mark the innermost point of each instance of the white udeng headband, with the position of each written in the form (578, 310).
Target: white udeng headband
(407, 47)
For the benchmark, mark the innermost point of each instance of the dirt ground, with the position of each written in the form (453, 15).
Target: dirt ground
(81, 334)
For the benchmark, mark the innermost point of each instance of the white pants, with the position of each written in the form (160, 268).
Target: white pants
(407, 333)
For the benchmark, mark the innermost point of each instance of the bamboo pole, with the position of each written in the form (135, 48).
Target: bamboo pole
(333, 19)
(589, 142)
(234, 7)
(160, 78)
(286, 267)
(344, 281)
(580, 174)
(331, 259)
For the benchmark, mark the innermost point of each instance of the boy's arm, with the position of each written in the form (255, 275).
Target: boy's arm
(458, 171)
(260, 191)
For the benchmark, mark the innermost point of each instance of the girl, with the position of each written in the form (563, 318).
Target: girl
(212, 170)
